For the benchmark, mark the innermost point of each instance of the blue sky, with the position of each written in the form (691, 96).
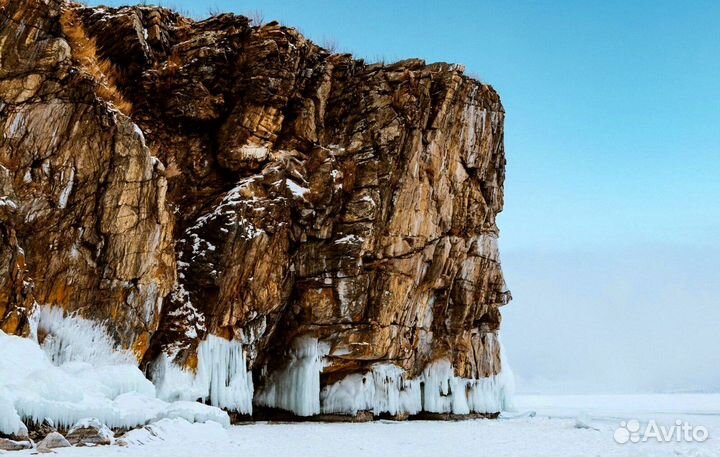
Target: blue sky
(613, 144)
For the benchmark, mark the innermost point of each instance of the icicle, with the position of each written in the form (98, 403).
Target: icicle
(382, 390)
(393, 393)
(222, 377)
(173, 383)
(296, 388)
(354, 393)
(33, 388)
(72, 338)
(222, 368)
(437, 396)
(385, 390)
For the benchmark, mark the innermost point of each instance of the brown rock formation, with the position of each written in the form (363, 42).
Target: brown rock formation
(261, 189)
(84, 223)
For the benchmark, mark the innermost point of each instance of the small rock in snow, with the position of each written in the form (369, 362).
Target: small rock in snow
(583, 421)
(90, 432)
(52, 441)
(12, 445)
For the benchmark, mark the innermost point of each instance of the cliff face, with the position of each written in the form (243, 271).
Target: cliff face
(302, 230)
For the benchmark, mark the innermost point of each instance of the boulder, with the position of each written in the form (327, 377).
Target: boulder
(89, 432)
(51, 441)
(7, 444)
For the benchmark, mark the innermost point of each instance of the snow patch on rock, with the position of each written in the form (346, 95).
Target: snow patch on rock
(65, 194)
(296, 189)
(253, 152)
(6, 201)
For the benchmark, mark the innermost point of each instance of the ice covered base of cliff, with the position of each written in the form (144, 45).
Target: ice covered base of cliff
(70, 369)
(221, 377)
(386, 388)
(75, 373)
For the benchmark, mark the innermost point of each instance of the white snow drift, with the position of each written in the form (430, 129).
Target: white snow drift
(76, 373)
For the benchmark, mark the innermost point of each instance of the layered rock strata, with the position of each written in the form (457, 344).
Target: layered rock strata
(263, 223)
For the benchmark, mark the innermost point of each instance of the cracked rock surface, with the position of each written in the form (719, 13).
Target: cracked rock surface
(261, 189)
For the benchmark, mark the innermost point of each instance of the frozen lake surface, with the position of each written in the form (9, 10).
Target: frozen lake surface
(542, 425)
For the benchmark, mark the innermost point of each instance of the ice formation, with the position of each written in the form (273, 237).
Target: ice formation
(385, 389)
(10, 421)
(76, 374)
(382, 390)
(221, 378)
(296, 387)
(71, 338)
(354, 393)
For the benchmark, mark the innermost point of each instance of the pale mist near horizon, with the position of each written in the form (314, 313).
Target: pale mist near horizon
(615, 321)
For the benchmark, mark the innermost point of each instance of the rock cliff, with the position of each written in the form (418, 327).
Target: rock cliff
(266, 225)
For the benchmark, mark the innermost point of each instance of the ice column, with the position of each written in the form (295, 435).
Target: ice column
(296, 387)
(385, 389)
(221, 379)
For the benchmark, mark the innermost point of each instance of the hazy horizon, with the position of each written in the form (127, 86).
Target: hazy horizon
(626, 320)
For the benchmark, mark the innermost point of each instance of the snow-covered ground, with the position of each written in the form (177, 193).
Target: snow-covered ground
(577, 425)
